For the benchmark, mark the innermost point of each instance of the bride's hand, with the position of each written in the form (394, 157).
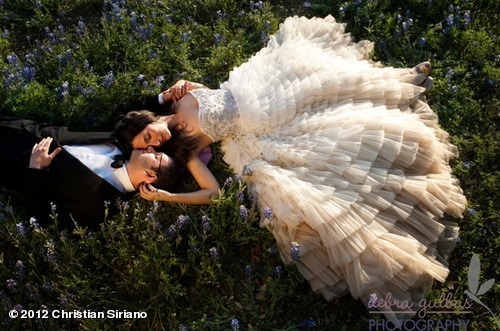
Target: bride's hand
(150, 193)
(176, 92)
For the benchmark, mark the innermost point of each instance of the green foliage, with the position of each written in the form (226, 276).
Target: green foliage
(74, 62)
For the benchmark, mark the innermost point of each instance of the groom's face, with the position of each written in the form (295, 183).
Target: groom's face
(144, 164)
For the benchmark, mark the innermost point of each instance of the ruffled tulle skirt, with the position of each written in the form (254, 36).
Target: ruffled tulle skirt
(351, 161)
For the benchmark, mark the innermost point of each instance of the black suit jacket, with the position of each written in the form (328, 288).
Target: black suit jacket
(77, 192)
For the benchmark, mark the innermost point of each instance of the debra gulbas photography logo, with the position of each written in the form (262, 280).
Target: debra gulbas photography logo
(452, 314)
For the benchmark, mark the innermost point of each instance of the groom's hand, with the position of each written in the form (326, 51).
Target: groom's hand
(40, 157)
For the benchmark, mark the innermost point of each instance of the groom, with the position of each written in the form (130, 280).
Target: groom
(72, 172)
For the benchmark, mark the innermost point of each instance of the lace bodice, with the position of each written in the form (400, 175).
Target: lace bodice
(218, 115)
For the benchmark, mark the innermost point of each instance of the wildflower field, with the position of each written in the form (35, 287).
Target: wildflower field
(75, 62)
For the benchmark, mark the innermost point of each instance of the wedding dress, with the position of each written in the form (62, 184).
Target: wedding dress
(350, 160)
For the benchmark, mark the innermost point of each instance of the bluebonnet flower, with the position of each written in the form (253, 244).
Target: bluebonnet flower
(214, 254)
(449, 75)
(5, 33)
(471, 211)
(183, 327)
(159, 80)
(10, 80)
(421, 41)
(467, 18)
(47, 285)
(20, 229)
(256, 4)
(450, 19)
(171, 231)
(144, 32)
(228, 181)
(273, 250)
(372, 300)
(151, 216)
(108, 79)
(235, 324)
(185, 37)
(62, 93)
(65, 300)
(247, 171)
(51, 255)
(133, 20)
(221, 14)
(88, 91)
(80, 29)
(454, 89)
(254, 197)
(217, 39)
(467, 165)
(18, 308)
(33, 223)
(20, 269)
(307, 4)
(456, 239)
(295, 251)
(38, 4)
(278, 271)
(205, 223)
(152, 54)
(12, 59)
(268, 213)
(140, 77)
(244, 213)
(28, 73)
(86, 64)
(144, 84)
(309, 324)
(181, 221)
(248, 271)
(11, 285)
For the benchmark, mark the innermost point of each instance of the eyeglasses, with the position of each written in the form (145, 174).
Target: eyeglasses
(159, 165)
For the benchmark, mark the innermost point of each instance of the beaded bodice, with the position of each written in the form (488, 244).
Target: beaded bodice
(218, 115)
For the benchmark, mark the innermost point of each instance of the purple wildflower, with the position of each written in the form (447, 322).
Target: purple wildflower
(372, 300)
(108, 79)
(278, 271)
(34, 223)
(235, 324)
(244, 213)
(20, 269)
(268, 213)
(295, 251)
(20, 229)
(205, 223)
(11, 285)
(247, 171)
(248, 271)
(214, 254)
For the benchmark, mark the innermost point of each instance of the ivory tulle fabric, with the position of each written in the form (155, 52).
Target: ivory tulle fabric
(351, 161)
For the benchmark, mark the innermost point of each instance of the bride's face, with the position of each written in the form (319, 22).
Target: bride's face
(154, 134)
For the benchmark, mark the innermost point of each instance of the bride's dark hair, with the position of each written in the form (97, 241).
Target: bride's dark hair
(131, 124)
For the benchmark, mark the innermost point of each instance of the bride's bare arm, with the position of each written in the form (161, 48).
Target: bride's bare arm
(208, 187)
(179, 89)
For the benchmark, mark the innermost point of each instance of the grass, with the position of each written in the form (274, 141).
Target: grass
(204, 268)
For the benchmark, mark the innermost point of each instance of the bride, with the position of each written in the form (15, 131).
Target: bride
(345, 152)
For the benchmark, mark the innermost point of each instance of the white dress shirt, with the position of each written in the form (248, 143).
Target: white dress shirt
(98, 158)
